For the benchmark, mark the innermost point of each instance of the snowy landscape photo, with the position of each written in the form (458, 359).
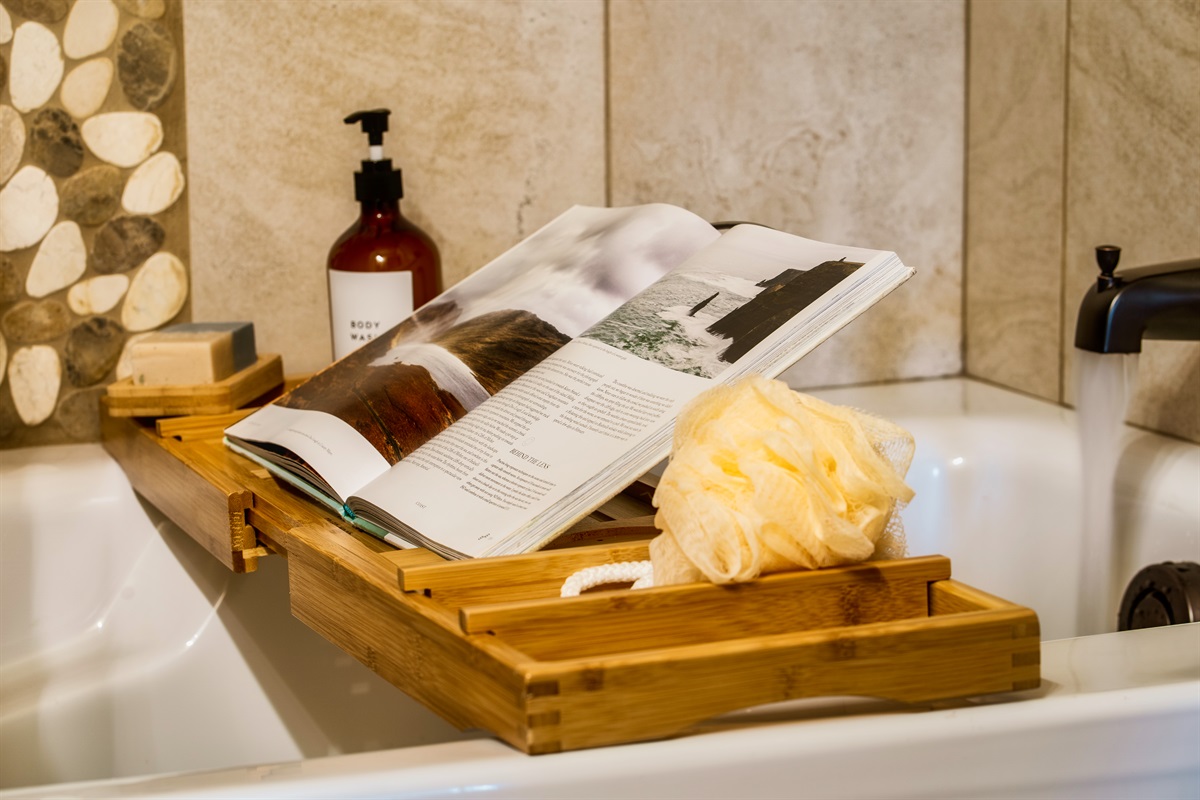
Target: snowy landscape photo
(700, 321)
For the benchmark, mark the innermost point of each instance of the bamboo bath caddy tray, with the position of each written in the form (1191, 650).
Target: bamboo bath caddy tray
(489, 644)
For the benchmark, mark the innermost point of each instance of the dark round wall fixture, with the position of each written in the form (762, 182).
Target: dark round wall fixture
(1162, 594)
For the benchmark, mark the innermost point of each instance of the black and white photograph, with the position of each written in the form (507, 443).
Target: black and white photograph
(701, 321)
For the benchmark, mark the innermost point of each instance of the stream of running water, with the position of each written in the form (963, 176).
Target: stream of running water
(1103, 385)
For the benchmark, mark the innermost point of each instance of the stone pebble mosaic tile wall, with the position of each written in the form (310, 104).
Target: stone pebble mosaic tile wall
(93, 222)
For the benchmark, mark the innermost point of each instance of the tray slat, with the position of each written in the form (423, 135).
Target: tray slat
(604, 622)
(531, 575)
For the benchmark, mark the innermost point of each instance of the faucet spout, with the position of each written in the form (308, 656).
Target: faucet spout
(1154, 302)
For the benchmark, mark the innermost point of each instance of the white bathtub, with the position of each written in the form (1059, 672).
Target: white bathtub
(126, 651)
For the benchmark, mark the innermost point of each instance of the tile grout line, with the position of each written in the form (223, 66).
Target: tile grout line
(606, 47)
(1062, 256)
(964, 305)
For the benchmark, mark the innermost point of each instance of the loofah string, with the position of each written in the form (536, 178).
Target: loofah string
(639, 573)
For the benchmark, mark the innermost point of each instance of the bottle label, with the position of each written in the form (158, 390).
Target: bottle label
(364, 305)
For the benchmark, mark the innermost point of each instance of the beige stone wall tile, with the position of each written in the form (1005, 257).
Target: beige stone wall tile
(839, 121)
(497, 122)
(1134, 174)
(1015, 171)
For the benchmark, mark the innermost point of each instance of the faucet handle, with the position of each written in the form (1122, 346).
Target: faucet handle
(1107, 256)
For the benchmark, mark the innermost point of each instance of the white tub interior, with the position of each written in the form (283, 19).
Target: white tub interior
(1000, 490)
(126, 650)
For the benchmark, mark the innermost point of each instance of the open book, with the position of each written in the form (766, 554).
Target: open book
(535, 390)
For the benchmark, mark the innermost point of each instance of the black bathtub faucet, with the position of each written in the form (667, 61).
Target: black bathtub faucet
(1153, 302)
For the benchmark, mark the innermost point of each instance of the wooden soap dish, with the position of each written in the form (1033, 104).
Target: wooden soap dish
(127, 400)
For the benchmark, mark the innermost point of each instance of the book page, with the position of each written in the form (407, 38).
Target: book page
(407, 385)
(579, 426)
(516, 455)
(343, 460)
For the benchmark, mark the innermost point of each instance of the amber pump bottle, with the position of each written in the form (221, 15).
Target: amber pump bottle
(383, 267)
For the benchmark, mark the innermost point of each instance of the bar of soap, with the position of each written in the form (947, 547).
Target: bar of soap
(192, 353)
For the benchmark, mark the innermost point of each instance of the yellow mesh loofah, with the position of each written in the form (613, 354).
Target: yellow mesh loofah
(763, 479)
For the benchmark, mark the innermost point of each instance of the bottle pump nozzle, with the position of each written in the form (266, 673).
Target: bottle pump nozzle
(374, 125)
(377, 181)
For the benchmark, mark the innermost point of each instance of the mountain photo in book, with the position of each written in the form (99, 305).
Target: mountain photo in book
(400, 390)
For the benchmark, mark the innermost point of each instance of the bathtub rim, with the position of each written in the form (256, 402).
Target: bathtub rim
(1153, 685)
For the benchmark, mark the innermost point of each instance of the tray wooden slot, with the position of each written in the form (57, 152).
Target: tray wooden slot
(199, 426)
(593, 530)
(489, 644)
(953, 597)
(531, 575)
(604, 622)
(409, 559)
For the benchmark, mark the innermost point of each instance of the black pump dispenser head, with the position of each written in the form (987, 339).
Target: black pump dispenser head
(374, 124)
(377, 181)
